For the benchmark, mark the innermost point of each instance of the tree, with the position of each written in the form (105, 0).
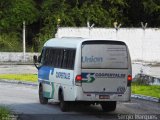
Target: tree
(14, 12)
(52, 11)
(94, 12)
(115, 10)
(152, 12)
(143, 11)
(12, 15)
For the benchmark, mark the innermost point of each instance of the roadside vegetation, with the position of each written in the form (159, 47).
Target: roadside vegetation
(43, 16)
(20, 77)
(148, 90)
(5, 113)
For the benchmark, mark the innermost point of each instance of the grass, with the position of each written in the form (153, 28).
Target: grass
(148, 90)
(5, 113)
(20, 77)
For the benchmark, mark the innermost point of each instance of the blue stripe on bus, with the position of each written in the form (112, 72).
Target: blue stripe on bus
(44, 71)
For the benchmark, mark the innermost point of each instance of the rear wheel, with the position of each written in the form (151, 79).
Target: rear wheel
(108, 106)
(42, 99)
(63, 104)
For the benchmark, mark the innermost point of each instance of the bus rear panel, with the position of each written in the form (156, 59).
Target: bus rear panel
(105, 71)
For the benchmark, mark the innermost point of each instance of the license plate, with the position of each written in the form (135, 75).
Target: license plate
(104, 96)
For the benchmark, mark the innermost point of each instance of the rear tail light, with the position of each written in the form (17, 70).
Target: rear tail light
(78, 80)
(129, 78)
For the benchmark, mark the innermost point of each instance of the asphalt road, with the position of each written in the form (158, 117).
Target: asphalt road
(23, 100)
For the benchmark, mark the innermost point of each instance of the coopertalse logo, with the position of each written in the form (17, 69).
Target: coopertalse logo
(90, 77)
(92, 59)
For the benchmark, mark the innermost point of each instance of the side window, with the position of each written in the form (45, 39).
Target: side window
(65, 59)
(41, 57)
(68, 59)
(46, 55)
(71, 59)
(58, 58)
(52, 56)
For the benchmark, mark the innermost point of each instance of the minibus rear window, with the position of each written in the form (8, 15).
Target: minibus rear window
(104, 55)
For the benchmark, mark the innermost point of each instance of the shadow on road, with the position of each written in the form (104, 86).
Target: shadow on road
(52, 111)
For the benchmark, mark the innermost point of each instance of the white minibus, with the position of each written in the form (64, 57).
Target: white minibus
(84, 71)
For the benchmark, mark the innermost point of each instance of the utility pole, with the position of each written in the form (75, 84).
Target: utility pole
(24, 42)
(117, 27)
(144, 26)
(90, 27)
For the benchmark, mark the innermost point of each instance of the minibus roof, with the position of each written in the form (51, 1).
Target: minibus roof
(68, 42)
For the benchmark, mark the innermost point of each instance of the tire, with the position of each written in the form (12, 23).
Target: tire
(64, 106)
(42, 99)
(108, 106)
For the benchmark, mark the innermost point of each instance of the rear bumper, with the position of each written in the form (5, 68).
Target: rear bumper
(81, 96)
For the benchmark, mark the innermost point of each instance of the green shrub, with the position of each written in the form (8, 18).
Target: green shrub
(5, 113)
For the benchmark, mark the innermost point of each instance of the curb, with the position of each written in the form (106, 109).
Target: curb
(18, 82)
(148, 98)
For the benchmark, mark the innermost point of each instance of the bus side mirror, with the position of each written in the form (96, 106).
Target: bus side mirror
(39, 59)
(35, 59)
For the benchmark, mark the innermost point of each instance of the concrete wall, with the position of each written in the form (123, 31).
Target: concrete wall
(16, 57)
(144, 45)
